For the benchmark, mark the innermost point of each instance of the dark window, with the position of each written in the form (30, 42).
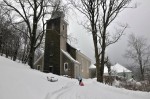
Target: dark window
(63, 27)
(51, 48)
(51, 69)
(52, 26)
(38, 67)
(65, 66)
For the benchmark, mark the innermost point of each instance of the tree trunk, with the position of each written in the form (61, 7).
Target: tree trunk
(31, 57)
(32, 45)
(142, 73)
(103, 55)
(102, 65)
(6, 51)
(15, 54)
(141, 66)
(94, 34)
(32, 50)
(96, 57)
(98, 68)
(2, 50)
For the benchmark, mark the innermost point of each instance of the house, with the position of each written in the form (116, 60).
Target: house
(59, 56)
(119, 70)
(116, 70)
(92, 70)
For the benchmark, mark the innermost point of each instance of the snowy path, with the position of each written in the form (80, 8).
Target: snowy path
(74, 91)
(58, 94)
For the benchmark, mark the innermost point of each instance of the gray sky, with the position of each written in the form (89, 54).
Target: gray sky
(139, 24)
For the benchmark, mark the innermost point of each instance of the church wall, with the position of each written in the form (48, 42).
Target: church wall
(70, 71)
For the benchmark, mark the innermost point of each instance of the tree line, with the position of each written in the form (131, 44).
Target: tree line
(23, 25)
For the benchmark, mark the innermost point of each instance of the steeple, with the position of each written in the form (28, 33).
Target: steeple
(57, 14)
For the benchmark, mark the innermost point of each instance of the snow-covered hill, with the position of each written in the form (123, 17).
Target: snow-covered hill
(18, 81)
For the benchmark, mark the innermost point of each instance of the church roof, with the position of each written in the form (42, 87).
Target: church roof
(69, 56)
(57, 14)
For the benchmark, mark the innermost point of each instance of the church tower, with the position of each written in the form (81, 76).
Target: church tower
(56, 38)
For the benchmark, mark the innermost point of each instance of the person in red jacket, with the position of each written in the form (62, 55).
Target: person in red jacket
(80, 82)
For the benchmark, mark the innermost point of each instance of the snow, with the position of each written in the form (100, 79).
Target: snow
(119, 68)
(18, 81)
(39, 59)
(105, 69)
(69, 56)
(92, 66)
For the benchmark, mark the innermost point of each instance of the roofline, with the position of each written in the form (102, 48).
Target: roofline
(78, 51)
(69, 56)
(39, 59)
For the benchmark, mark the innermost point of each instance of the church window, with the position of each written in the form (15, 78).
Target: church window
(65, 66)
(51, 48)
(82, 64)
(51, 69)
(63, 27)
(38, 67)
(52, 26)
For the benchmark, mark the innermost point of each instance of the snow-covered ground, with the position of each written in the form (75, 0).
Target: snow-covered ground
(18, 81)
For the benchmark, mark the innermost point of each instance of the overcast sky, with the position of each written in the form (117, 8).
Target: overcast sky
(138, 20)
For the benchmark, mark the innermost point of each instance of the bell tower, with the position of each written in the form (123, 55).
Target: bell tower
(55, 40)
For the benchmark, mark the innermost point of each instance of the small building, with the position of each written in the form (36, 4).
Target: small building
(116, 70)
(119, 70)
(92, 71)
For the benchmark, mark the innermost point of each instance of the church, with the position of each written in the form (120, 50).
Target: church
(59, 56)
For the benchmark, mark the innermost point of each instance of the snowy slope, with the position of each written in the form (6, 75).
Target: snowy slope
(18, 81)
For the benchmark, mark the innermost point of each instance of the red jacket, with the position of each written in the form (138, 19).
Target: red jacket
(81, 84)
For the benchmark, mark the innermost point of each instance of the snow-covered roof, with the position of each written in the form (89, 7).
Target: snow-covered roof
(39, 59)
(69, 56)
(92, 66)
(119, 68)
(105, 69)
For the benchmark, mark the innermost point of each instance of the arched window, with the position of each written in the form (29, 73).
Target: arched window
(38, 67)
(65, 66)
(63, 27)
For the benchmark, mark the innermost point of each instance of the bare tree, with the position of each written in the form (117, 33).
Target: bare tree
(108, 64)
(108, 12)
(100, 14)
(9, 38)
(90, 8)
(139, 52)
(33, 13)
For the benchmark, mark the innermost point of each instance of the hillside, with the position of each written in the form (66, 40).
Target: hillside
(18, 81)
